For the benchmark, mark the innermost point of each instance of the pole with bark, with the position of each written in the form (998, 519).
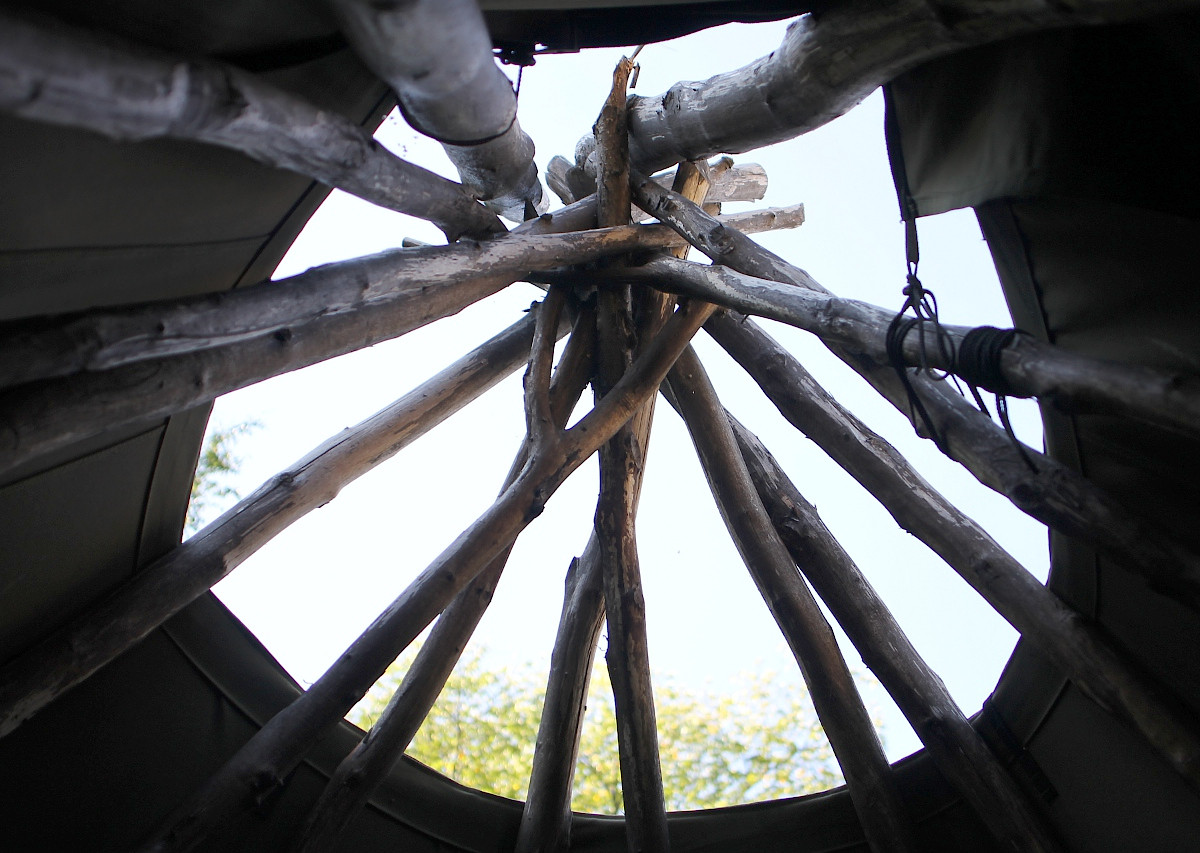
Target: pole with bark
(359, 774)
(622, 460)
(955, 746)
(829, 62)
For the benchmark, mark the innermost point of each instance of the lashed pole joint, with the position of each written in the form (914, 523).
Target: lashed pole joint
(839, 706)
(1053, 494)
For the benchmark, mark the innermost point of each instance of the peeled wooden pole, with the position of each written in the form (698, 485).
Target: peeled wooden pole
(1053, 494)
(53, 73)
(1090, 660)
(359, 774)
(437, 56)
(743, 182)
(1029, 367)
(839, 706)
(830, 61)
(110, 337)
(261, 765)
(622, 459)
(81, 647)
(264, 333)
(958, 750)
(546, 818)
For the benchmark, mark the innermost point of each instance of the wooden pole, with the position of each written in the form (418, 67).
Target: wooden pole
(956, 747)
(437, 56)
(77, 650)
(1052, 493)
(829, 62)
(839, 706)
(370, 300)
(110, 337)
(53, 73)
(546, 819)
(1091, 661)
(260, 766)
(622, 460)
(359, 774)
(727, 182)
(1072, 383)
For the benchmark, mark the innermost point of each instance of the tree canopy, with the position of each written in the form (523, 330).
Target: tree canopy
(755, 745)
(217, 465)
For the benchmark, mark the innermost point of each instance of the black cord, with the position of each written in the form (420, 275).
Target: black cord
(978, 363)
(976, 359)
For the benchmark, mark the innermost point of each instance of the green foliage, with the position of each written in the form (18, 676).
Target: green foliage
(212, 491)
(716, 751)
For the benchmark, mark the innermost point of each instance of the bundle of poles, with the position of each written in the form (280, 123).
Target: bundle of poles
(630, 302)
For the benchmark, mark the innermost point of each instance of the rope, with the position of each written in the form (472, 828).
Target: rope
(978, 363)
(977, 359)
(445, 140)
(522, 57)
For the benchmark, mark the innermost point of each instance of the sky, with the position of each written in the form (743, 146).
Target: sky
(309, 592)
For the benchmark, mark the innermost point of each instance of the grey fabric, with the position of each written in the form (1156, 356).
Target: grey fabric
(1094, 113)
(1077, 151)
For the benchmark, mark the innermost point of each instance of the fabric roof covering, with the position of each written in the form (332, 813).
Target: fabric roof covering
(86, 222)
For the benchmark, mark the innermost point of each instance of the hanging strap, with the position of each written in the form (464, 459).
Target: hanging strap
(976, 359)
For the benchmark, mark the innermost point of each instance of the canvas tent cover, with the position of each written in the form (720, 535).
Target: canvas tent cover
(1075, 148)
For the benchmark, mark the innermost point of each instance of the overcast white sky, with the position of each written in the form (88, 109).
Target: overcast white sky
(312, 590)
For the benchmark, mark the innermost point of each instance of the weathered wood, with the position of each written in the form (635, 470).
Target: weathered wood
(1073, 383)
(437, 56)
(359, 774)
(612, 152)
(557, 178)
(743, 182)
(628, 654)
(106, 338)
(1097, 667)
(262, 333)
(87, 643)
(956, 747)
(828, 62)
(1053, 494)
(52, 73)
(260, 766)
(839, 706)
(622, 460)
(723, 244)
(546, 818)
